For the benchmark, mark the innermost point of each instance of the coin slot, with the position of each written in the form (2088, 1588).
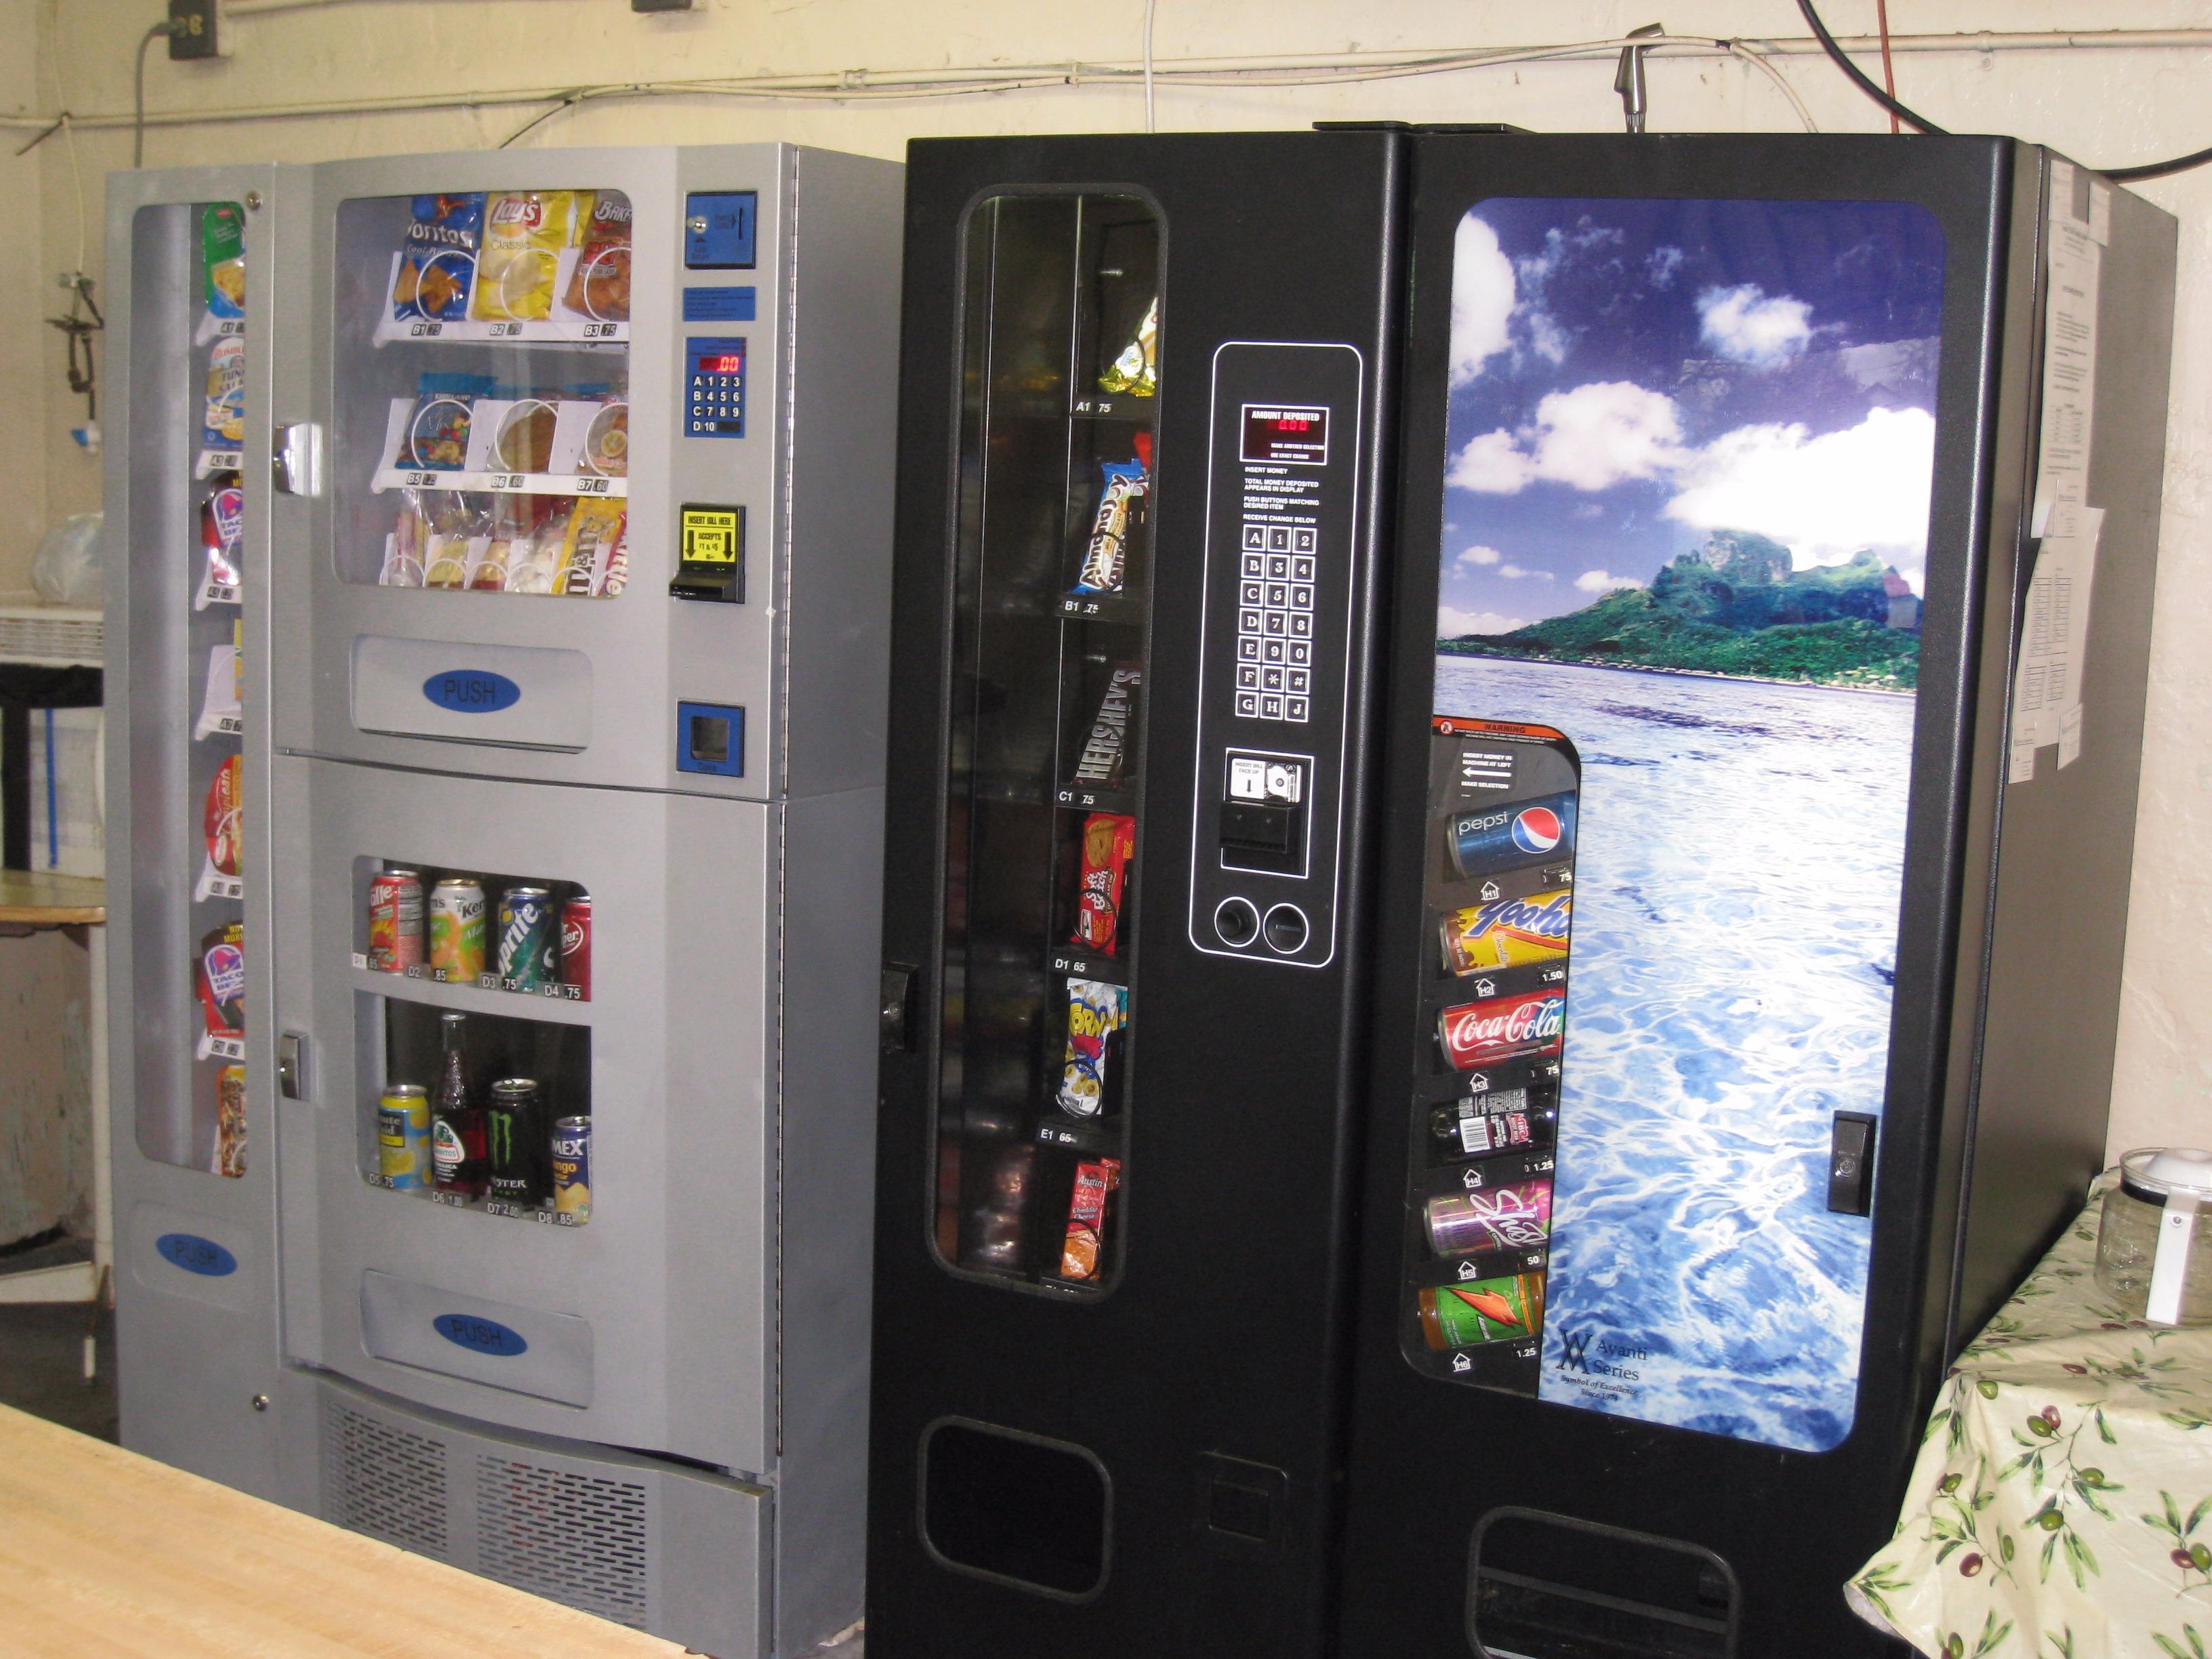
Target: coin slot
(1286, 929)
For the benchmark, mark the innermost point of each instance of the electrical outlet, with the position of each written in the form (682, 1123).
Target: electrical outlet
(192, 30)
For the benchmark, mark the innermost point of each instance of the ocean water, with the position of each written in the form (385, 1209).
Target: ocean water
(1736, 890)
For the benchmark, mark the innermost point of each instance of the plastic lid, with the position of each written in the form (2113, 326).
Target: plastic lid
(2157, 1170)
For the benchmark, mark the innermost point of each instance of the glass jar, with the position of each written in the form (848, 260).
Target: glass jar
(2154, 1251)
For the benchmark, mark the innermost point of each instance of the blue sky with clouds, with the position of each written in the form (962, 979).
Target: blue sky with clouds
(1628, 376)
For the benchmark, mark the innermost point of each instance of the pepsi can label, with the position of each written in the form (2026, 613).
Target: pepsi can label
(1488, 839)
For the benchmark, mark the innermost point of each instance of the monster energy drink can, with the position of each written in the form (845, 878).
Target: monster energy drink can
(529, 938)
(519, 1149)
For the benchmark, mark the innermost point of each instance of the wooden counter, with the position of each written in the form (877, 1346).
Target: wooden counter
(104, 1551)
(35, 898)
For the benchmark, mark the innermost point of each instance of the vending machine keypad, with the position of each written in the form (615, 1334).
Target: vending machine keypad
(717, 387)
(1282, 555)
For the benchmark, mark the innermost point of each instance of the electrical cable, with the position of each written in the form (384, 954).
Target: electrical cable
(1888, 68)
(2196, 158)
(1152, 120)
(159, 32)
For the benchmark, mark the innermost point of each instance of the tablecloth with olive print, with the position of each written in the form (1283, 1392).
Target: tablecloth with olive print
(2061, 1507)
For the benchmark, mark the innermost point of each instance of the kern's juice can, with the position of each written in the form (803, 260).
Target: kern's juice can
(572, 1167)
(403, 1136)
(395, 921)
(456, 927)
(1473, 1312)
(529, 938)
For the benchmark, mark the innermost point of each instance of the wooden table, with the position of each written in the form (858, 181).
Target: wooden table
(104, 1551)
(30, 900)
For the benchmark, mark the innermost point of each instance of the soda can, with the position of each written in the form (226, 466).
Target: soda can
(1475, 1311)
(529, 938)
(1514, 1217)
(572, 1167)
(1503, 1028)
(1500, 934)
(456, 927)
(402, 1135)
(576, 944)
(1488, 839)
(395, 921)
(519, 1148)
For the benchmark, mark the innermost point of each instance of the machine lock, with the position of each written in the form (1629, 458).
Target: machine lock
(1850, 1163)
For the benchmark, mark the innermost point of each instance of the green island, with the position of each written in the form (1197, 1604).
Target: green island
(1735, 607)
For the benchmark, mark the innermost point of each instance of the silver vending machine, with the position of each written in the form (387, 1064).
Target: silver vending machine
(500, 583)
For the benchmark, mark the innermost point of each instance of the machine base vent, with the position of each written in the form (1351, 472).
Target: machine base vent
(678, 1552)
(574, 1538)
(384, 1480)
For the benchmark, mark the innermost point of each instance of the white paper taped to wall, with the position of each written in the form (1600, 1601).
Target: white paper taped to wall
(2047, 678)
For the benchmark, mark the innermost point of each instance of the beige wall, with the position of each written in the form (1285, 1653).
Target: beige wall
(2101, 106)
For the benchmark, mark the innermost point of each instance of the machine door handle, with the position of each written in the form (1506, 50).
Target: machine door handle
(296, 462)
(895, 1018)
(292, 1065)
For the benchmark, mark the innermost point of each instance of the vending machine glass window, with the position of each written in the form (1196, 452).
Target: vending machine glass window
(482, 428)
(191, 438)
(1042, 806)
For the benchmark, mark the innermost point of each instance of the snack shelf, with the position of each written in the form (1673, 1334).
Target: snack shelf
(1138, 410)
(1120, 608)
(499, 484)
(1071, 963)
(1079, 797)
(486, 994)
(582, 445)
(560, 326)
(212, 461)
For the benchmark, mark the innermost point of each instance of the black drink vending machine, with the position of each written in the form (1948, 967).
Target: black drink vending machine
(1143, 481)
(1773, 580)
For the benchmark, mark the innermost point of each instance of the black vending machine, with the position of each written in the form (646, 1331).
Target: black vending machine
(1773, 582)
(1144, 485)
(1460, 1051)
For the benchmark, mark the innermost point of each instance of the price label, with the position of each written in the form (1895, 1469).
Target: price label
(601, 331)
(361, 961)
(591, 486)
(506, 331)
(459, 1200)
(425, 330)
(507, 481)
(493, 983)
(415, 970)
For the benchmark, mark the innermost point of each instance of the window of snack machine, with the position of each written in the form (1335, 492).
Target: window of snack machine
(189, 407)
(483, 390)
(480, 1109)
(1059, 382)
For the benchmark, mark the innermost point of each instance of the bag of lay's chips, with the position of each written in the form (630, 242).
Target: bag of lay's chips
(437, 259)
(525, 233)
(222, 254)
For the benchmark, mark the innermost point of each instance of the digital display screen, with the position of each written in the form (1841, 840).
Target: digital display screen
(729, 362)
(1296, 436)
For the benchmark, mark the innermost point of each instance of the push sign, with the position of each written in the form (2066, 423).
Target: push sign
(472, 691)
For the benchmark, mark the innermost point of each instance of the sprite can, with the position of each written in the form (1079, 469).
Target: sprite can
(529, 939)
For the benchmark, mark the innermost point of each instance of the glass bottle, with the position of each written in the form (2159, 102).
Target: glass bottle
(457, 1121)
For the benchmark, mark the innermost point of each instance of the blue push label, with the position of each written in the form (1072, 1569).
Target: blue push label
(480, 1335)
(196, 1255)
(472, 691)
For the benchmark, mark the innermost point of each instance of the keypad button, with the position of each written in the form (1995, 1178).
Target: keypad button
(1255, 535)
(1250, 595)
(1271, 709)
(1277, 620)
(1304, 541)
(1248, 622)
(1301, 651)
(1272, 679)
(1279, 593)
(1301, 570)
(1294, 709)
(1255, 564)
(1301, 625)
(1248, 649)
(1279, 568)
(1297, 680)
(1278, 540)
(1302, 597)
(1248, 676)
(1272, 650)
(1248, 703)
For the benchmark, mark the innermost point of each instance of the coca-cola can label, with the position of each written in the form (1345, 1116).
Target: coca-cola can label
(576, 944)
(1501, 1028)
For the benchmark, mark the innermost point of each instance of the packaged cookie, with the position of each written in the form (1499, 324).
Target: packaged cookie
(595, 530)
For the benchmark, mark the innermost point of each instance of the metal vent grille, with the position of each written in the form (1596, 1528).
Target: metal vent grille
(384, 1481)
(575, 1538)
(56, 638)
